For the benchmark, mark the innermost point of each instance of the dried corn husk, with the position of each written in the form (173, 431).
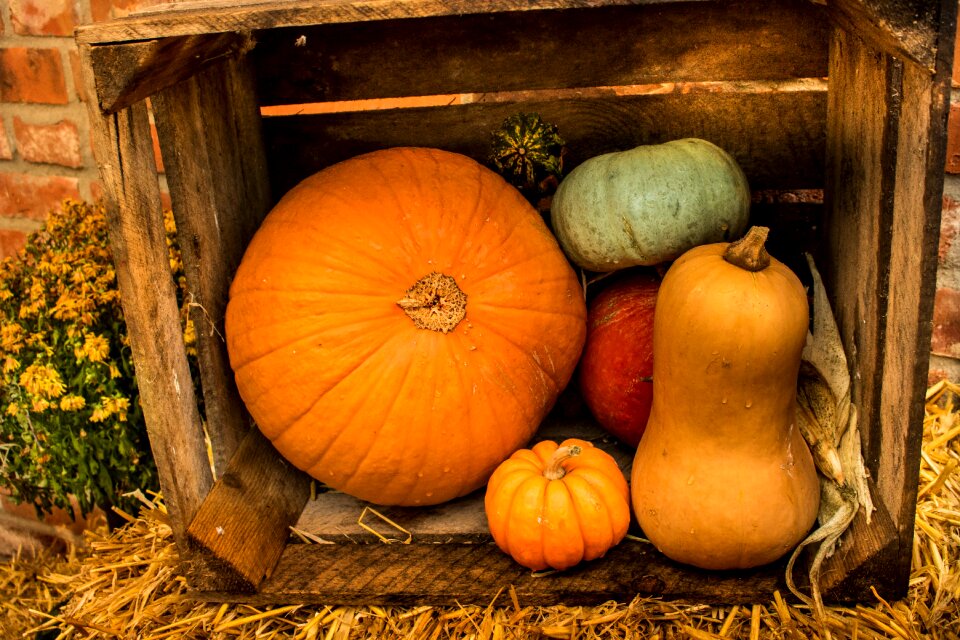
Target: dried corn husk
(828, 422)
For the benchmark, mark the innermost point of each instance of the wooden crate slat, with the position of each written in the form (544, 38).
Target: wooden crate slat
(765, 132)
(882, 232)
(541, 50)
(138, 242)
(915, 226)
(859, 210)
(242, 527)
(215, 115)
(459, 574)
(132, 72)
(191, 18)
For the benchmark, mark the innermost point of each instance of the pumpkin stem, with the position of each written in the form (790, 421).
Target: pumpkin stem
(435, 302)
(554, 469)
(749, 251)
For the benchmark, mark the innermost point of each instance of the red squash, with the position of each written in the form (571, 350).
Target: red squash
(617, 365)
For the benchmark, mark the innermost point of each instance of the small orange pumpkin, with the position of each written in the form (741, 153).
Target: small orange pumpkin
(557, 505)
(401, 323)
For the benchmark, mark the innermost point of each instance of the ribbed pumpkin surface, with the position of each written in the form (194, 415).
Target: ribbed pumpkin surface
(341, 378)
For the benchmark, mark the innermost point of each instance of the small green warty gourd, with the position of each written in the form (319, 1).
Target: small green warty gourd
(528, 152)
(648, 205)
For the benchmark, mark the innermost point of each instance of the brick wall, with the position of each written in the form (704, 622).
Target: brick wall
(45, 153)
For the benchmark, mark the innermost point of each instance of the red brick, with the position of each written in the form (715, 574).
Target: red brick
(76, 71)
(946, 323)
(11, 241)
(107, 9)
(49, 143)
(32, 75)
(949, 227)
(30, 196)
(43, 17)
(6, 152)
(953, 140)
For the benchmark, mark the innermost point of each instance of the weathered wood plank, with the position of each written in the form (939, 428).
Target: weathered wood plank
(132, 72)
(765, 132)
(191, 18)
(858, 195)
(917, 205)
(906, 28)
(209, 130)
(542, 50)
(138, 242)
(460, 574)
(886, 150)
(242, 527)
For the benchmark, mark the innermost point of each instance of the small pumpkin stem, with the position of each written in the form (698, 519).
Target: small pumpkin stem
(749, 252)
(554, 469)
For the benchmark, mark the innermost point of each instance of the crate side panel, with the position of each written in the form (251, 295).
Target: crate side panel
(886, 158)
(138, 241)
(213, 16)
(209, 130)
(859, 204)
(542, 50)
(913, 272)
(764, 131)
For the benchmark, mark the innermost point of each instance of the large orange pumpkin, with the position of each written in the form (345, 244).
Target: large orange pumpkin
(401, 323)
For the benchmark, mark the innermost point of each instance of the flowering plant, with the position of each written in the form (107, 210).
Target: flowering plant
(71, 422)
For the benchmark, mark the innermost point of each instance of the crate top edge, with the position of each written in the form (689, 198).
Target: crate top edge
(204, 17)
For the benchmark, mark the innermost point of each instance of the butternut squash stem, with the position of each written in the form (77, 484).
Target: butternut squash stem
(749, 252)
(554, 469)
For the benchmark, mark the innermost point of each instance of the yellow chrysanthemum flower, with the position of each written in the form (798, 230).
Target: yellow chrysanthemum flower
(10, 364)
(72, 403)
(99, 414)
(42, 381)
(13, 409)
(95, 348)
(11, 337)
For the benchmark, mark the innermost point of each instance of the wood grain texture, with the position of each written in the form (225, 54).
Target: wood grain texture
(138, 242)
(886, 153)
(242, 527)
(908, 29)
(209, 130)
(192, 18)
(541, 50)
(859, 205)
(460, 574)
(765, 132)
(132, 72)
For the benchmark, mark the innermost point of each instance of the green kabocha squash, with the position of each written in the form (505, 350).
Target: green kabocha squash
(528, 152)
(648, 205)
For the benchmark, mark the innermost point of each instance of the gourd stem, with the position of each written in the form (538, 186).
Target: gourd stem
(749, 252)
(554, 469)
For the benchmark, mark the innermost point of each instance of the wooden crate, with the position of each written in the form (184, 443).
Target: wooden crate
(844, 98)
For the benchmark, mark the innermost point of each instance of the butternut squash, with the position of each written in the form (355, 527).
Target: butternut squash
(722, 478)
